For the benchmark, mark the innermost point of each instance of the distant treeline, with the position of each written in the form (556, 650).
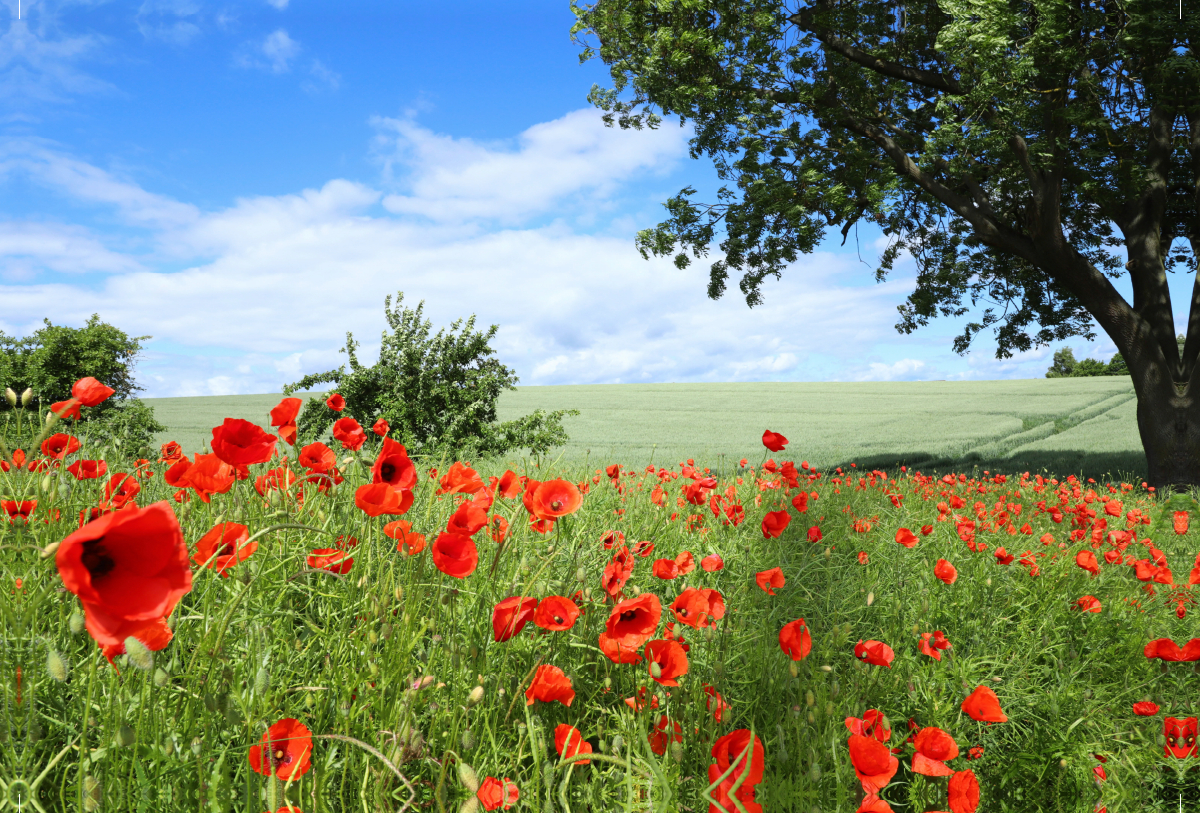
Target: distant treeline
(1065, 365)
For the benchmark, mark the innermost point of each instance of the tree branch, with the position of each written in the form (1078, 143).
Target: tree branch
(916, 76)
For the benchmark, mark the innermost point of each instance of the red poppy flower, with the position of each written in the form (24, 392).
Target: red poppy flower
(380, 427)
(1003, 557)
(494, 793)
(795, 640)
(873, 762)
(665, 569)
(669, 657)
(556, 613)
(317, 457)
(550, 684)
(727, 751)
(18, 460)
(132, 564)
(1180, 736)
(906, 538)
(874, 652)
(863, 558)
(1089, 604)
(983, 705)
(509, 484)
(1181, 522)
(1087, 560)
(933, 747)
(569, 742)
(634, 621)
(455, 555)
(945, 571)
(374, 499)
(335, 560)
(712, 563)
(283, 418)
(659, 738)
(121, 489)
(1145, 708)
(873, 723)
(497, 528)
(171, 452)
(774, 523)
(67, 409)
(939, 643)
(770, 579)
(209, 475)
(336, 402)
(90, 392)
(110, 632)
(1168, 650)
(285, 751)
(814, 534)
(59, 446)
(643, 548)
(774, 441)
(617, 653)
(713, 698)
(460, 479)
(511, 615)
(963, 792)
(467, 520)
(223, 547)
(695, 607)
(22, 509)
(175, 473)
(800, 502)
(407, 541)
(554, 499)
(242, 443)
(350, 433)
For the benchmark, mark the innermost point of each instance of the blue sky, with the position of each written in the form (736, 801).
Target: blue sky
(246, 181)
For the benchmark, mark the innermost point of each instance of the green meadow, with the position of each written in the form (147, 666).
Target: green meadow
(1071, 425)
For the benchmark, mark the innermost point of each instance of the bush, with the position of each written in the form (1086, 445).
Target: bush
(53, 358)
(438, 394)
(1065, 365)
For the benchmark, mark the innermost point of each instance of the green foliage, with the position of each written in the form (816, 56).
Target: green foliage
(1065, 366)
(438, 393)
(54, 357)
(970, 131)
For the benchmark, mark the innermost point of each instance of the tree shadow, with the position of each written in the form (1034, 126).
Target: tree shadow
(1129, 466)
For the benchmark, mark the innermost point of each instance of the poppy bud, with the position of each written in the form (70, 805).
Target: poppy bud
(310, 700)
(373, 637)
(27, 397)
(829, 708)
(814, 772)
(139, 654)
(826, 668)
(870, 599)
(810, 699)
(581, 575)
(466, 775)
(718, 669)
(655, 671)
(197, 744)
(475, 696)
(811, 718)
(398, 592)
(56, 666)
(49, 418)
(618, 744)
(793, 670)
(470, 805)
(46, 483)
(1062, 763)
(834, 688)
(677, 752)
(828, 553)
(168, 746)
(10, 396)
(126, 736)
(468, 740)
(92, 793)
(161, 678)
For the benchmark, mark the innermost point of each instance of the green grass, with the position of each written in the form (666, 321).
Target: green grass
(1061, 425)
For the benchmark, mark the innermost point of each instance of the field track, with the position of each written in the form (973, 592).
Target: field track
(1075, 425)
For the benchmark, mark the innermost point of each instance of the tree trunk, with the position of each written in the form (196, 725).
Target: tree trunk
(1169, 424)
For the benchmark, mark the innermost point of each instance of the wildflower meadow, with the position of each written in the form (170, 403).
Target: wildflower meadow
(340, 627)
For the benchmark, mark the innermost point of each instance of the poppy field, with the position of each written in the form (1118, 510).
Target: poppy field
(333, 627)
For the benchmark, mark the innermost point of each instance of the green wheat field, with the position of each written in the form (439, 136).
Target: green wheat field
(1083, 426)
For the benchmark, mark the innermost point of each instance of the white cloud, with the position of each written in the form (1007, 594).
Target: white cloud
(323, 78)
(273, 283)
(903, 370)
(278, 4)
(457, 179)
(166, 20)
(64, 248)
(34, 68)
(278, 48)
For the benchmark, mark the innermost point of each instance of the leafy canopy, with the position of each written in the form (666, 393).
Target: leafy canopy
(997, 142)
(436, 392)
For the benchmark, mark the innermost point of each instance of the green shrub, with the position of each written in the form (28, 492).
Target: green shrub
(438, 394)
(53, 358)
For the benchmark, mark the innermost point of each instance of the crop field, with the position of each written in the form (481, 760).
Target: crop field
(1083, 425)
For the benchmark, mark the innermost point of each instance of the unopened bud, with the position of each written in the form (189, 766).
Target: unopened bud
(262, 681)
(468, 740)
(161, 678)
(197, 745)
(139, 654)
(826, 668)
(677, 752)
(76, 622)
(870, 599)
(828, 553)
(475, 696)
(27, 397)
(1062, 763)
(655, 671)
(10, 396)
(92, 793)
(126, 736)
(46, 481)
(466, 775)
(793, 670)
(469, 805)
(398, 592)
(809, 698)
(56, 666)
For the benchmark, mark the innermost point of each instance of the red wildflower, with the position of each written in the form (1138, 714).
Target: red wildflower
(380, 427)
(317, 457)
(1089, 604)
(874, 652)
(407, 541)
(634, 621)
(494, 793)
(90, 392)
(963, 792)
(242, 443)
(510, 616)
(556, 613)
(554, 499)
(659, 738)
(171, 452)
(283, 418)
(223, 547)
(209, 475)
(569, 742)
(774, 441)
(350, 433)
(59, 446)
(335, 560)
(285, 751)
(455, 555)
(795, 640)
(460, 479)
(67, 409)
(939, 643)
(374, 499)
(20, 509)
(814, 534)
(712, 563)
(933, 747)
(774, 523)
(1145, 708)
(467, 519)
(336, 402)
(1087, 560)
(695, 607)
(906, 538)
(1180, 736)
(945, 571)
(983, 705)
(728, 752)
(770, 579)
(550, 684)
(669, 657)
(509, 484)
(713, 697)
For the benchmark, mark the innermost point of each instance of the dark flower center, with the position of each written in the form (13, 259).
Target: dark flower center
(227, 549)
(96, 559)
(558, 619)
(387, 471)
(628, 615)
(556, 505)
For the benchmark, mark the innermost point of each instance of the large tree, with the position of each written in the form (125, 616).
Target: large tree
(1025, 152)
